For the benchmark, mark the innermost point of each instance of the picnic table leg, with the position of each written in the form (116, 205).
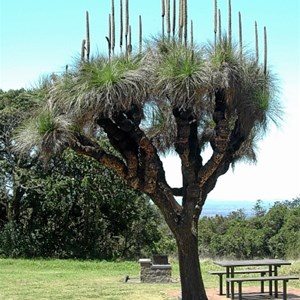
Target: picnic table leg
(232, 289)
(240, 290)
(232, 283)
(284, 289)
(262, 284)
(270, 281)
(276, 282)
(276, 290)
(220, 284)
(227, 283)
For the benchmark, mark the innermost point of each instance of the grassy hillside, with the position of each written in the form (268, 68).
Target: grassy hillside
(69, 279)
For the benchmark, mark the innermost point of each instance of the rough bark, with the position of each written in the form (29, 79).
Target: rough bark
(192, 287)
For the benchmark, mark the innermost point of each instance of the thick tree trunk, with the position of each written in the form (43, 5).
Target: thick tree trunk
(192, 287)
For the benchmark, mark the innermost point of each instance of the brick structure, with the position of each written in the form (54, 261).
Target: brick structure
(158, 270)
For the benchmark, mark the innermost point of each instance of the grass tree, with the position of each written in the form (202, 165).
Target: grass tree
(172, 96)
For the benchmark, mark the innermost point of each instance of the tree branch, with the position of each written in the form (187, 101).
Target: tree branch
(225, 143)
(188, 148)
(119, 137)
(177, 192)
(86, 146)
(220, 143)
(145, 169)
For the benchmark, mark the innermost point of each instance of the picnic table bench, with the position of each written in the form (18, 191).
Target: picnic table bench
(262, 273)
(240, 280)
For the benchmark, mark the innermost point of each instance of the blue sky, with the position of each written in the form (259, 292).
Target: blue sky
(40, 37)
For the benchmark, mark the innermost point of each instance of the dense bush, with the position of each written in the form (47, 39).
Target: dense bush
(77, 209)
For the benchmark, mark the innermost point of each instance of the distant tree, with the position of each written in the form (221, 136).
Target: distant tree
(258, 209)
(237, 214)
(175, 96)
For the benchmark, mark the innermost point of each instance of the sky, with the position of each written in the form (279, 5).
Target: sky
(42, 37)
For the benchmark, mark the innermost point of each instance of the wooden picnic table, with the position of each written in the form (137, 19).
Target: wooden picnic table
(272, 264)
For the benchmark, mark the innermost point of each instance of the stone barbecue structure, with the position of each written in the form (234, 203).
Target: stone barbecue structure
(156, 270)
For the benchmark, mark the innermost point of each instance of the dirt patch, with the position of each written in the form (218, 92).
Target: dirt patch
(212, 294)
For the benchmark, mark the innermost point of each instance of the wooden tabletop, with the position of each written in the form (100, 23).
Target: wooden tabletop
(254, 262)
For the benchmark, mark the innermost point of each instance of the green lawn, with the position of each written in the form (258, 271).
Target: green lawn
(69, 279)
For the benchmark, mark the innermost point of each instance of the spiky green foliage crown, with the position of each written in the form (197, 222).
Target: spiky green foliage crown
(170, 73)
